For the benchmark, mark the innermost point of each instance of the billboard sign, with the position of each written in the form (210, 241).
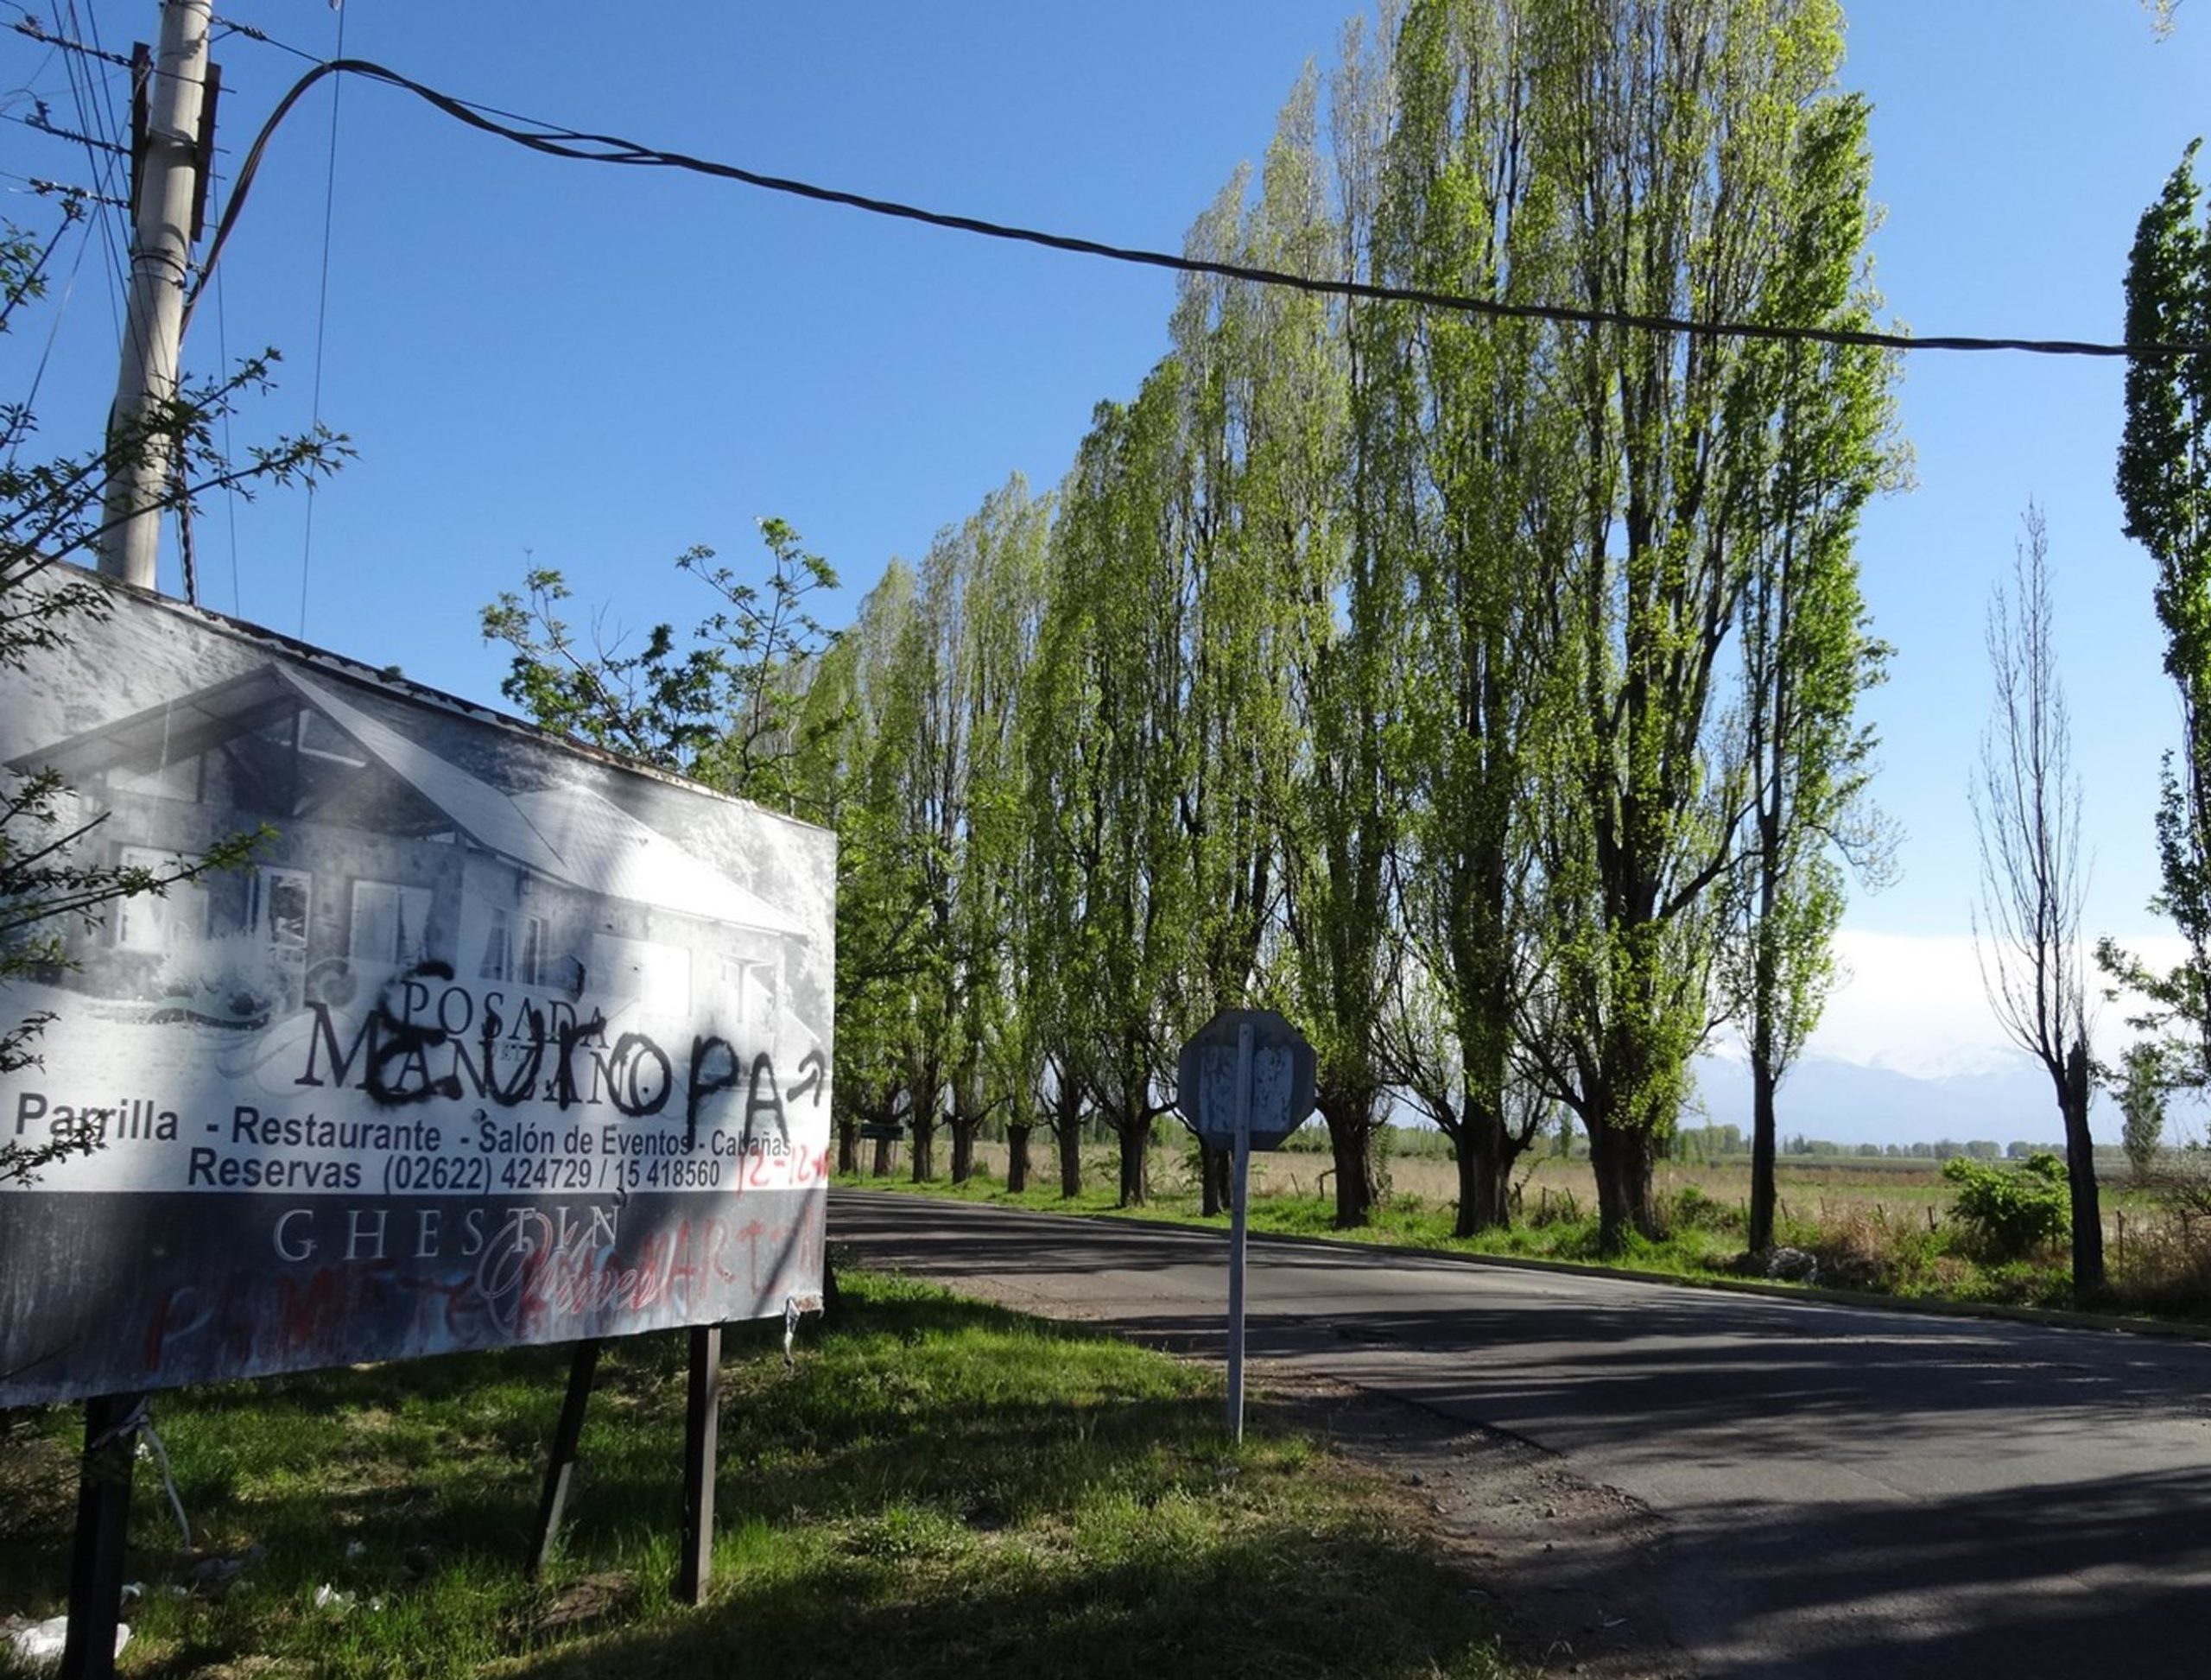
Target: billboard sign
(496, 1041)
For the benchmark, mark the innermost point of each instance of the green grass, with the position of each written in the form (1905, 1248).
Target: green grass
(1877, 1241)
(940, 1488)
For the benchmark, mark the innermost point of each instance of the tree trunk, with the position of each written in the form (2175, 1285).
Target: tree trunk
(963, 1147)
(924, 1148)
(1765, 1197)
(1474, 1189)
(1070, 1135)
(1485, 1175)
(2080, 1179)
(883, 1148)
(1351, 1140)
(848, 1148)
(1620, 1157)
(1017, 1157)
(1135, 1140)
(1215, 1165)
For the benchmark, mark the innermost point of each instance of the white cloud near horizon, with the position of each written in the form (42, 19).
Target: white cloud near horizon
(1914, 1004)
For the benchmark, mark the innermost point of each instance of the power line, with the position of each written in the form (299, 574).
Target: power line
(251, 32)
(43, 122)
(29, 25)
(100, 151)
(556, 141)
(58, 189)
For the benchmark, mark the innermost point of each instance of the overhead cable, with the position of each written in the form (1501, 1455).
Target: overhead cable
(559, 142)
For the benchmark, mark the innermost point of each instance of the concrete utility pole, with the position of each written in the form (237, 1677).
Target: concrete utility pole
(160, 252)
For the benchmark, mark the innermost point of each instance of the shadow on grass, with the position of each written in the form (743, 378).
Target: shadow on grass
(940, 1486)
(1280, 1599)
(1971, 1497)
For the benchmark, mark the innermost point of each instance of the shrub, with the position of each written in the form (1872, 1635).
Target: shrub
(1555, 1207)
(1690, 1209)
(2010, 1210)
(2166, 1266)
(1862, 1248)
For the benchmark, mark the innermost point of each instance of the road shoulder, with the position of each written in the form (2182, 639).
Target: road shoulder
(1571, 1567)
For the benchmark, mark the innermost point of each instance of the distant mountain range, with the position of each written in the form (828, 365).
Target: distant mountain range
(1848, 1102)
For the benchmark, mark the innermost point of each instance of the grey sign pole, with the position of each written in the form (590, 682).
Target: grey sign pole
(1229, 1106)
(1238, 1176)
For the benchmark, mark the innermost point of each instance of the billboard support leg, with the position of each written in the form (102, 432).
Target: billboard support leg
(702, 1423)
(102, 1518)
(560, 1466)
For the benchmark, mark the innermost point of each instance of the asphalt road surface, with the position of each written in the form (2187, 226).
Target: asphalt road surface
(1842, 1491)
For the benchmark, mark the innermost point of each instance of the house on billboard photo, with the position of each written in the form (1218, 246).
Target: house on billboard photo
(385, 847)
(491, 1038)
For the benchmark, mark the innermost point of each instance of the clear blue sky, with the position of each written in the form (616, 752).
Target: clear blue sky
(597, 367)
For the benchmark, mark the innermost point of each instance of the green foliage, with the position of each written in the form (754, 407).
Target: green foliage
(725, 709)
(1813, 429)
(2010, 1210)
(1380, 663)
(2165, 485)
(1692, 1208)
(2144, 1081)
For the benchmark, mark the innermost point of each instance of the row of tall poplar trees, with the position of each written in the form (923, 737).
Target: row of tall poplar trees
(1479, 690)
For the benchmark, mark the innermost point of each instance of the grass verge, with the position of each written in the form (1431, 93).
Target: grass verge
(2164, 1271)
(939, 1488)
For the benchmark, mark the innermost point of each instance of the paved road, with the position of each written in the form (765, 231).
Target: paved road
(1846, 1493)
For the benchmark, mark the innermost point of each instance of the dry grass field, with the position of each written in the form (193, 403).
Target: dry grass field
(1882, 1224)
(1813, 1189)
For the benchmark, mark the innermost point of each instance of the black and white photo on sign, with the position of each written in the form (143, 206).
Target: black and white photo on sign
(463, 962)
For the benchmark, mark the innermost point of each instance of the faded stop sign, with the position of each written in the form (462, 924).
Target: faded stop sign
(1245, 1082)
(1282, 1070)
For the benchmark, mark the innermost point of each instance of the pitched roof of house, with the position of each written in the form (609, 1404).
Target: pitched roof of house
(570, 834)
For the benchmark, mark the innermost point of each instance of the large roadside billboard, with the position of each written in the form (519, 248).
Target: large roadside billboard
(496, 1041)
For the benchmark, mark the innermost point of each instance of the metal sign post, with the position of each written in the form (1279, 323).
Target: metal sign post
(1239, 1176)
(1246, 1081)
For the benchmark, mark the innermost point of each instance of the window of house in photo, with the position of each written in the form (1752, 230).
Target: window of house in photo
(276, 907)
(513, 944)
(752, 982)
(498, 947)
(157, 920)
(389, 922)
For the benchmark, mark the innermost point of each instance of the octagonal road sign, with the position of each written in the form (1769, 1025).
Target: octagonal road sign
(1283, 1071)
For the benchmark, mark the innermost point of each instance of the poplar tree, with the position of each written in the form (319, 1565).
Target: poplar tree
(1002, 549)
(1106, 785)
(2034, 880)
(2165, 485)
(1462, 408)
(1670, 127)
(1810, 426)
(1262, 409)
(1347, 812)
(947, 763)
(882, 903)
